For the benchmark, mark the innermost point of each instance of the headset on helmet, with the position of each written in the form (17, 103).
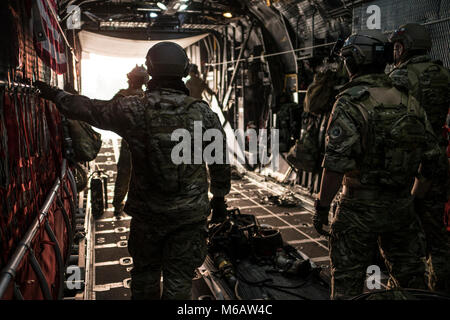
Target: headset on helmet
(368, 47)
(167, 59)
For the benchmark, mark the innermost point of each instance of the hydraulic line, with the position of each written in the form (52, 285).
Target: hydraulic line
(40, 275)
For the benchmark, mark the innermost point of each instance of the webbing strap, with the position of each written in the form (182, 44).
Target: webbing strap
(188, 101)
(365, 128)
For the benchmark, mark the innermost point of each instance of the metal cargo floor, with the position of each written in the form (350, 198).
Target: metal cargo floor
(111, 263)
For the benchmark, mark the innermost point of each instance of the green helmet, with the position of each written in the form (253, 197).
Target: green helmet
(139, 73)
(413, 36)
(167, 59)
(366, 47)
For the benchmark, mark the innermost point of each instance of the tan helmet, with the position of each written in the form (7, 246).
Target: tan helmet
(366, 47)
(413, 36)
(139, 73)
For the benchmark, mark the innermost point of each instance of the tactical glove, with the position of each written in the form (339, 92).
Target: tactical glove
(219, 209)
(47, 92)
(320, 217)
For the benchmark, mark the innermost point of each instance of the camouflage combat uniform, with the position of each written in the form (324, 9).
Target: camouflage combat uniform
(124, 162)
(429, 83)
(375, 209)
(169, 203)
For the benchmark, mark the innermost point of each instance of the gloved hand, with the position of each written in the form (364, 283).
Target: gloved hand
(219, 209)
(320, 218)
(47, 92)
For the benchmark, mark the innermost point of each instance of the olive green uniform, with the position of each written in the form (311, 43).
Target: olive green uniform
(168, 202)
(375, 209)
(124, 163)
(429, 83)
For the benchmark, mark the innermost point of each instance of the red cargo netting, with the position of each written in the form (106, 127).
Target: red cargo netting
(30, 156)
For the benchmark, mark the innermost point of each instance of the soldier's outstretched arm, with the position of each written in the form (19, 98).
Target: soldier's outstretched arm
(111, 115)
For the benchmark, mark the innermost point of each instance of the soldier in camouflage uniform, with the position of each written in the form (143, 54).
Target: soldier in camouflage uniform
(136, 79)
(168, 202)
(195, 84)
(429, 83)
(288, 122)
(376, 139)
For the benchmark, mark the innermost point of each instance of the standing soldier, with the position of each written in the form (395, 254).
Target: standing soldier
(136, 79)
(376, 140)
(168, 201)
(429, 83)
(288, 120)
(195, 84)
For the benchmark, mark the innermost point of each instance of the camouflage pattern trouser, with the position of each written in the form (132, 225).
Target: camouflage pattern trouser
(359, 229)
(437, 238)
(123, 176)
(174, 251)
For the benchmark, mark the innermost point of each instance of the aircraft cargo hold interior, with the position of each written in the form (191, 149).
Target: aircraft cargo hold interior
(210, 150)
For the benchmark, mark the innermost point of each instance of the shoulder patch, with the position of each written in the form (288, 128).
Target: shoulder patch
(335, 131)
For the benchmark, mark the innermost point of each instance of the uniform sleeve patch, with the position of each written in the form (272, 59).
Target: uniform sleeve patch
(335, 131)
